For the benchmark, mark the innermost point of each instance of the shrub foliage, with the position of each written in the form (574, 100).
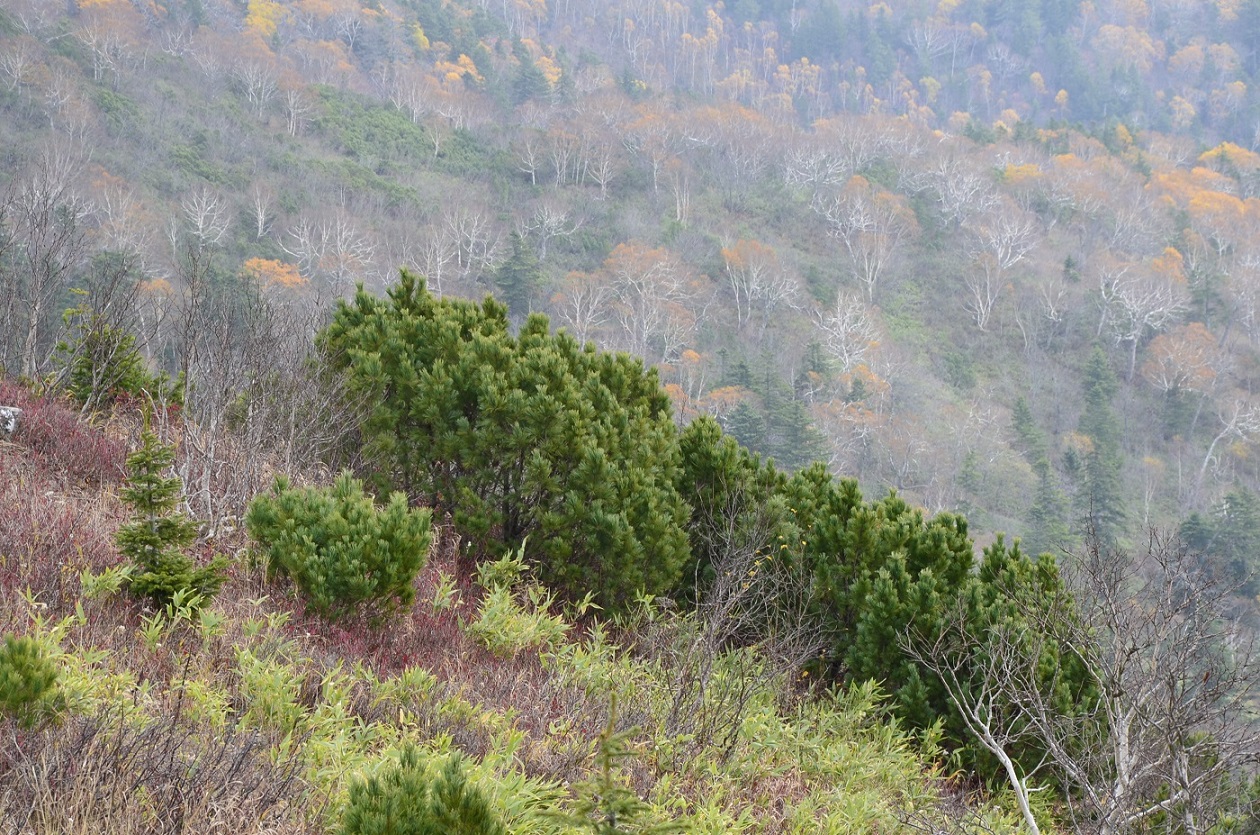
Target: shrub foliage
(404, 801)
(520, 436)
(28, 681)
(344, 554)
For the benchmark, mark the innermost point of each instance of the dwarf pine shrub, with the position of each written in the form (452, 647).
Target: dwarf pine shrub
(404, 801)
(343, 553)
(28, 681)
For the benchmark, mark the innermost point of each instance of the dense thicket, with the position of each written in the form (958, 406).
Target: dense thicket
(521, 438)
(880, 573)
(534, 439)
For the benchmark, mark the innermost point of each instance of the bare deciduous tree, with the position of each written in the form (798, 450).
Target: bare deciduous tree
(583, 304)
(849, 332)
(259, 81)
(999, 241)
(333, 248)
(48, 242)
(656, 300)
(206, 215)
(753, 598)
(1239, 418)
(1137, 301)
(1169, 729)
(871, 224)
(548, 222)
(257, 402)
(758, 280)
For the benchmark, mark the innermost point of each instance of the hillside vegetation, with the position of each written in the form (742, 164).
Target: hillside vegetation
(131, 685)
(762, 202)
(775, 417)
(247, 713)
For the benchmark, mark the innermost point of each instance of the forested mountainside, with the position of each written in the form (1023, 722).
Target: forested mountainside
(886, 239)
(829, 292)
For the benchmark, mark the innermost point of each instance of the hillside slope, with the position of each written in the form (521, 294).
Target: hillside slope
(762, 200)
(251, 715)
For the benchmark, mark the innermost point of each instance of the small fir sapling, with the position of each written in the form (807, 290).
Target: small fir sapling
(155, 537)
(605, 805)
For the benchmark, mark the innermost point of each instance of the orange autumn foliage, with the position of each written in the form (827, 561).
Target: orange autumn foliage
(271, 273)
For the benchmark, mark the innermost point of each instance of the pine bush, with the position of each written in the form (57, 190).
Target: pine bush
(28, 681)
(531, 436)
(403, 801)
(344, 554)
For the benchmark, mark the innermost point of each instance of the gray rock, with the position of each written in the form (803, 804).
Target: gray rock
(9, 420)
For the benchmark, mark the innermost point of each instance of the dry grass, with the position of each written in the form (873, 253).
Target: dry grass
(104, 775)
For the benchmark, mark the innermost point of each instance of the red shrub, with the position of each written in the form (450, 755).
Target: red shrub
(64, 442)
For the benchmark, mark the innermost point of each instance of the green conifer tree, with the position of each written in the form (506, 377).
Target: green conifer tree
(817, 371)
(529, 81)
(528, 436)
(1230, 537)
(345, 554)
(155, 537)
(1047, 525)
(731, 493)
(519, 277)
(1031, 440)
(746, 426)
(604, 804)
(28, 682)
(1100, 502)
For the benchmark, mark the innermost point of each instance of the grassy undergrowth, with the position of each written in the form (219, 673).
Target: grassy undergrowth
(250, 715)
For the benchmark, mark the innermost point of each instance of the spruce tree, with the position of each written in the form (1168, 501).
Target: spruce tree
(1100, 502)
(529, 81)
(817, 371)
(155, 537)
(519, 277)
(1229, 537)
(1047, 525)
(746, 426)
(605, 805)
(790, 439)
(1031, 440)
